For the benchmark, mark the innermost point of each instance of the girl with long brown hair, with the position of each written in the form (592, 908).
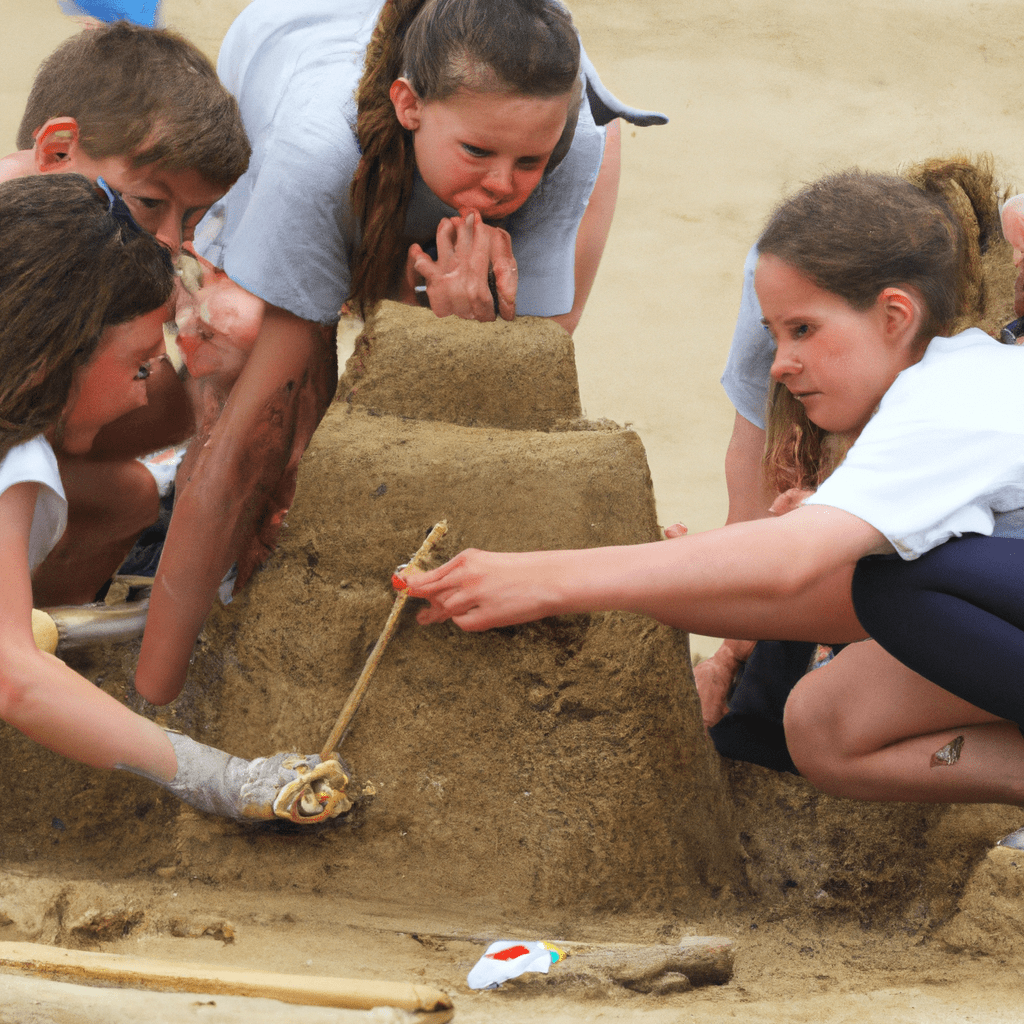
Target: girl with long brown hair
(84, 294)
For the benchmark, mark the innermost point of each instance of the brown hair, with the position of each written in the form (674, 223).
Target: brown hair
(144, 93)
(68, 269)
(855, 234)
(525, 47)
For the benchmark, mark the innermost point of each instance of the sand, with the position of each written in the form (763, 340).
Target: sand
(838, 911)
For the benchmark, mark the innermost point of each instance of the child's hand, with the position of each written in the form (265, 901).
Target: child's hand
(458, 281)
(789, 500)
(480, 590)
(218, 320)
(675, 530)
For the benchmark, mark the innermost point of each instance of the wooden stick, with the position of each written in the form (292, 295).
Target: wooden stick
(363, 682)
(167, 976)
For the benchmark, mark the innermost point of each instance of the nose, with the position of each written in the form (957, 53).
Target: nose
(168, 232)
(784, 365)
(498, 182)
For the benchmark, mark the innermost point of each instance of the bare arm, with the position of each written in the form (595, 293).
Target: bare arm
(236, 468)
(39, 694)
(785, 578)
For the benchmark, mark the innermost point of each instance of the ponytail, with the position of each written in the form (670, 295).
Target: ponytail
(855, 234)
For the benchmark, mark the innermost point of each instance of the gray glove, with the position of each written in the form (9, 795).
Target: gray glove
(301, 789)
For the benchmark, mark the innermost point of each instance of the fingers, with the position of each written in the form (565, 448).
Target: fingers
(789, 500)
(675, 530)
(458, 282)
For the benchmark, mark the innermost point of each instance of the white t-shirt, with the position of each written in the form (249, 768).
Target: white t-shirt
(35, 462)
(943, 455)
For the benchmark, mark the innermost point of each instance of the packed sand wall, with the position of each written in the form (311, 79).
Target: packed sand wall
(555, 773)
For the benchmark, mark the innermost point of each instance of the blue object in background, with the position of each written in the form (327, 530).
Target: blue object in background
(142, 12)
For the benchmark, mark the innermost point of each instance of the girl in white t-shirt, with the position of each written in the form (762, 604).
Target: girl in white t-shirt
(84, 293)
(857, 280)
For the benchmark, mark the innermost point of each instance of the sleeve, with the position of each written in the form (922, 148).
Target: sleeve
(284, 231)
(746, 376)
(35, 462)
(921, 475)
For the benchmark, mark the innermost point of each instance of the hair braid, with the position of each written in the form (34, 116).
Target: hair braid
(382, 186)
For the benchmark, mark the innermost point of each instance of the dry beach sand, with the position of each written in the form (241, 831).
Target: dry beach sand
(625, 826)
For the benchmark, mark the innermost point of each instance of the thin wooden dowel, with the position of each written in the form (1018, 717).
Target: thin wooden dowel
(363, 682)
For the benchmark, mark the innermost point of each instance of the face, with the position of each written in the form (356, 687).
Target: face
(167, 204)
(486, 151)
(113, 382)
(837, 361)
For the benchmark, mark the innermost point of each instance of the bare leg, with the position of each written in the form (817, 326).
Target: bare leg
(109, 505)
(865, 726)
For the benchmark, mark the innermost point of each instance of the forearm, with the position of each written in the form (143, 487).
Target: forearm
(62, 711)
(226, 487)
(786, 578)
(743, 582)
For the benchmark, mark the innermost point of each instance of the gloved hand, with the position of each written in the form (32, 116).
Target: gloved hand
(306, 789)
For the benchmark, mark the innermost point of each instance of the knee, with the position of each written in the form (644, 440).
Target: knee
(815, 736)
(138, 499)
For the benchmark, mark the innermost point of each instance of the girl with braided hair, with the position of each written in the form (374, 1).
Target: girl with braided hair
(461, 150)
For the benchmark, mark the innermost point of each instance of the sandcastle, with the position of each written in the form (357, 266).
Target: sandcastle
(554, 775)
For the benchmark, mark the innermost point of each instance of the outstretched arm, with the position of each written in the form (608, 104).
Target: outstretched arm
(224, 491)
(43, 698)
(784, 578)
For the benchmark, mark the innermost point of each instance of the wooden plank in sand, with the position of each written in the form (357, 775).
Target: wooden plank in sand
(111, 969)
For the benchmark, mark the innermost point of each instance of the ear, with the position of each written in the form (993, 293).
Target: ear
(56, 147)
(407, 104)
(903, 313)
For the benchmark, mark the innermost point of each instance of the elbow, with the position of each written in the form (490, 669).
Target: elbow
(16, 692)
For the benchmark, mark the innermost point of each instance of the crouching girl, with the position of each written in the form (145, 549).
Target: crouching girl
(84, 293)
(858, 280)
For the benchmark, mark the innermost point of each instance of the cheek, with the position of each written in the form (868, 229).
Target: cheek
(526, 182)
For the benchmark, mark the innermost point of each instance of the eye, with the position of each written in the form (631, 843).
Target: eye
(801, 331)
(144, 371)
(529, 163)
(147, 202)
(474, 151)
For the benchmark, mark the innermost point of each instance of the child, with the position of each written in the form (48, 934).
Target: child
(856, 276)
(144, 109)
(84, 293)
(790, 452)
(450, 139)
